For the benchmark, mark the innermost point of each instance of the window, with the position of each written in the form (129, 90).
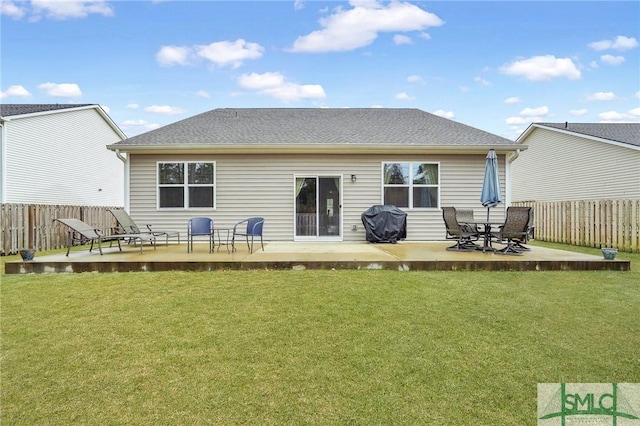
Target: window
(411, 185)
(186, 185)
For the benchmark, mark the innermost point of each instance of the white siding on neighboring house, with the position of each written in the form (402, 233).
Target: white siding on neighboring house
(263, 185)
(559, 166)
(61, 158)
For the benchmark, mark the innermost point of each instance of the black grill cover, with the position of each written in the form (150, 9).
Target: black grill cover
(384, 224)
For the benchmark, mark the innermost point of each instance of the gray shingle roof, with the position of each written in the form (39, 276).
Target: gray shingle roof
(315, 126)
(7, 110)
(619, 132)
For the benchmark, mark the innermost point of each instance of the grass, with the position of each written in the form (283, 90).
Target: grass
(310, 347)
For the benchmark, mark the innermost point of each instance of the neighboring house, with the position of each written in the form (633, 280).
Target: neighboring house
(578, 161)
(55, 154)
(310, 172)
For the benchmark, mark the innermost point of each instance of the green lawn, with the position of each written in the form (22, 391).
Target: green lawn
(309, 347)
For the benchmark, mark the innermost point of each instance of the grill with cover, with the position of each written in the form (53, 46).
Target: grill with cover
(384, 224)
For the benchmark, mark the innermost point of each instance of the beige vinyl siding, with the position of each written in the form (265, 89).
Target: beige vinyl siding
(61, 158)
(263, 185)
(560, 166)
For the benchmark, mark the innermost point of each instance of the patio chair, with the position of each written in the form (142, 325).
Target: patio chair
(128, 226)
(529, 236)
(465, 235)
(514, 230)
(82, 233)
(466, 215)
(253, 229)
(200, 227)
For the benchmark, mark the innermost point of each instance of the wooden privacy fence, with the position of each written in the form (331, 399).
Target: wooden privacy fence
(589, 223)
(32, 226)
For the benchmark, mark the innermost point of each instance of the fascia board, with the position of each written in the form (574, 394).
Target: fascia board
(314, 149)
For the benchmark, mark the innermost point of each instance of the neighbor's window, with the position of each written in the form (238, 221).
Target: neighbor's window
(186, 185)
(411, 185)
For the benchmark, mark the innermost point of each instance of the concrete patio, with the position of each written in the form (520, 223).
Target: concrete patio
(403, 256)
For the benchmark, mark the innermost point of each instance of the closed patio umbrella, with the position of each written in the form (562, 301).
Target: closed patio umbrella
(490, 196)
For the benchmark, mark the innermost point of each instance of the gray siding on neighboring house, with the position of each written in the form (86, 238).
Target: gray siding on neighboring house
(263, 185)
(562, 166)
(61, 158)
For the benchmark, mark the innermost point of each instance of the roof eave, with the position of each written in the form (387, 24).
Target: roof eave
(315, 149)
(534, 126)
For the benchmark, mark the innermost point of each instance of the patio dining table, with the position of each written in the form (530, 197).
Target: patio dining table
(486, 232)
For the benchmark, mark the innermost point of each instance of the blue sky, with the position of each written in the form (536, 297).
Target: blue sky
(497, 66)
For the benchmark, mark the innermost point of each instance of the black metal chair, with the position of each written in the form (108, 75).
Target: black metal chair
(514, 231)
(530, 234)
(465, 235)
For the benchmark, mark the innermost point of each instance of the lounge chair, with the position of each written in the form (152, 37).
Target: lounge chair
(253, 229)
(464, 235)
(83, 233)
(514, 231)
(128, 226)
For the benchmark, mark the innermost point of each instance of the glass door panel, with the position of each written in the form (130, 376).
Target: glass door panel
(306, 212)
(318, 207)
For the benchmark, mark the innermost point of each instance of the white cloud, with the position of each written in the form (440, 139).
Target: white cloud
(274, 84)
(164, 110)
(464, 89)
(516, 120)
(601, 96)
(61, 90)
(257, 81)
(612, 60)
(620, 43)
(132, 106)
(358, 27)
(631, 116)
(535, 112)
(528, 115)
(415, 79)
(105, 108)
(134, 127)
(56, 9)
(579, 112)
(11, 9)
(404, 97)
(16, 91)
(637, 95)
(134, 123)
(482, 81)
(227, 53)
(203, 94)
(543, 68)
(401, 39)
(594, 64)
(512, 100)
(445, 114)
(298, 4)
(173, 55)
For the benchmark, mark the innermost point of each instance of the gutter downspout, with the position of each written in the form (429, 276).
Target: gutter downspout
(511, 158)
(125, 161)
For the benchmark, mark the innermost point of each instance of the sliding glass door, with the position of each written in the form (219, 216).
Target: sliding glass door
(318, 207)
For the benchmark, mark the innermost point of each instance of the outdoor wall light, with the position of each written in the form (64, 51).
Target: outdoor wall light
(353, 178)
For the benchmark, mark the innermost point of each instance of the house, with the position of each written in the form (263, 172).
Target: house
(578, 161)
(310, 172)
(55, 154)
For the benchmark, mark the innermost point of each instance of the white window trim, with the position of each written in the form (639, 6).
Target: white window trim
(410, 186)
(186, 186)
